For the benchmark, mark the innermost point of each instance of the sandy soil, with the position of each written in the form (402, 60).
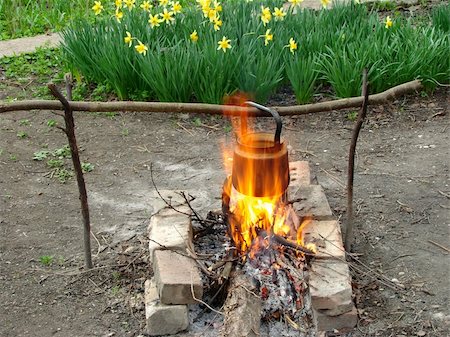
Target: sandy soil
(401, 192)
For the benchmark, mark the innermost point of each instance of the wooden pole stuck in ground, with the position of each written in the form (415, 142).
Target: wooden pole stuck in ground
(351, 162)
(70, 133)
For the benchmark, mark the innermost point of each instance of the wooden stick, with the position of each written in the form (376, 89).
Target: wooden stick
(439, 245)
(351, 163)
(213, 109)
(70, 133)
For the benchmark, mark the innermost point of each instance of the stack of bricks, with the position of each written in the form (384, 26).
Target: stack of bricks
(176, 281)
(329, 275)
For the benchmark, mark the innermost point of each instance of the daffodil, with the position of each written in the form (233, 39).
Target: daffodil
(176, 7)
(118, 15)
(217, 6)
(167, 16)
(224, 44)
(292, 45)
(128, 39)
(141, 48)
(266, 15)
(217, 23)
(118, 3)
(295, 3)
(194, 36)
(212, 13)
(325, 3)
(388, 22)
(267, 37)
(146, 6)
(97, 8)
(279, 14)
(154, 20)
(130, 4)
(163, 2)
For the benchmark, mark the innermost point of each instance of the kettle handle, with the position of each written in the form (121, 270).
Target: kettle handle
(274, 114)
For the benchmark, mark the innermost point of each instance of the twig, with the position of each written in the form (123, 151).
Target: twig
(351, 163)
(213, 109)
(188, 131)
(98, 244)
(444, 194)
(440, 246)
(370, 272)
(202, 302)
(70, 133)
(196, 215)
(160, 195)
(336, 179)
(282, 241)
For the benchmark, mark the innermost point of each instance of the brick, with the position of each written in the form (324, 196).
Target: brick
(174, 276)
(340, 310)
(330, 285)
(169, 230)
(162, 319)
(312, 202)
(299, 173)
(326, 235)
(347, 320)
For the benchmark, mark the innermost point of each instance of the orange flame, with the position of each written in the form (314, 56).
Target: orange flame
(251, 216)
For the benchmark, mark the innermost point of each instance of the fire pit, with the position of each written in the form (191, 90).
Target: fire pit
(271, 263)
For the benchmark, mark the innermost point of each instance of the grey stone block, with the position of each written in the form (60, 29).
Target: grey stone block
(176, 277)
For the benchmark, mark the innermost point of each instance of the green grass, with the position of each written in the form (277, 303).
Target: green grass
(46, 260)
(333, 48)
(20, 18)
(31, 72)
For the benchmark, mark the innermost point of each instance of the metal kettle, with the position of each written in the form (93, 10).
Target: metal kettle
(260, 160)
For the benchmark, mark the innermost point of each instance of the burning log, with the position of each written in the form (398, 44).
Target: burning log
(242, 308)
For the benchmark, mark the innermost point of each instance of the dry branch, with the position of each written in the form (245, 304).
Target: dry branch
(70, 133)
(213, 109)
(351, 163)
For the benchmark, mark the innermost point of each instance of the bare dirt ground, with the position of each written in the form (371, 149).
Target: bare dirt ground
(401, 191)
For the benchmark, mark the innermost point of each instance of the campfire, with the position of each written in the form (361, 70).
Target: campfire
(266, 231)
(255, 196)
(257, 272)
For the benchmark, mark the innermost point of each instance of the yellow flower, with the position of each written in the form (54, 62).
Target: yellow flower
(97, 8)
(292, 45)
(217, 6)
(267, 37)
(118, 15)
(388, 22)
(167, 17)
(212, 13)
(295, 2)
(146, 6)
(128, 39)
(141, 48)
(279, 14)
(224, 44)
(194, 36)
(176, 7)
(325, 3)
(217, 23)
(163, 2)
(154, 20)
(266, 15)
(130, 4)
(118, 3)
